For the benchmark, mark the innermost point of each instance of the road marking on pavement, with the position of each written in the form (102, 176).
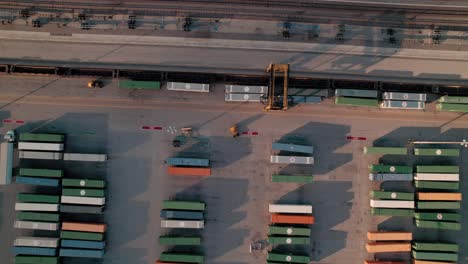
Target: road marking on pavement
(250, 133)
(12, 121)
(356, 138)
(151, 127)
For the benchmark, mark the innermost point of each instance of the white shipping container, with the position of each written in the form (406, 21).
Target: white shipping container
(36, 225)
(83, 200)
(48, 242)
(40, 155)
(436, 177)
(182, 224)
(85, 157)
(40, 146)
(391, 204)
(404, 96)
(233, 97)
(290, 208)
(188, 87)
(246, 89)
(43, 207)
(292, 159)
(402, 105)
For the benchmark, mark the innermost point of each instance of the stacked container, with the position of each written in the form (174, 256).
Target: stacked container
(453, 104)
(352, 97)
(393, 100)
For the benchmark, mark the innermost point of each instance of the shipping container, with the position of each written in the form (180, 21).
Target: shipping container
(73, 243)
(40, 146)
(85, 157)
(36, 225)
(421, 255)
(47, 242)
(192, 162)
(81, 253)
(308, 92)
(381, 247)
(293, 148)
(183, 171)
(43, 207)
(180, 241)
(462, 108)
(83, 183)
(41, 173)
(437, 169)
(37, 181)
(356, 101)
(290, 208)
(85, 227)
(246, 89)
(35, 251)
(392, 195)
(184, 258)
(23, 154)
(292, 219)
(81, 235)
(411, 105)
(188, 87)
(438, 216)
(380, 168)
(300, 99)
(6, 162)
(392, 204)
(447, 247)
(183, 224)
(175, 214)
(434, 196)
(436, 152)
(438, 205)
(288, 258)
(385, 150)
(83, 192)
(36, 260)
(392, 212)
(41, 137)
(438, 225)
(454, 99)
(292, 159)
(288, 230)
(383, 262)
(389, 236)
(83, 200)
(454, 177)
(285, 240)
(404, 96)
(292, 178)
(390, 177)
(146, 85)
(415, 261)
(81, 209)
(437, 185)
(356, 93)
(234, 97)
(37, 198)
(183, 205)
(33, 216)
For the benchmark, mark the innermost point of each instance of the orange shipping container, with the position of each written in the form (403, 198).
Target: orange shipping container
(383, 262)
(379, 247)
(430, 196)
(182, 171)
(389, 236)
(86, 227)
(430, 262)
(292, 219)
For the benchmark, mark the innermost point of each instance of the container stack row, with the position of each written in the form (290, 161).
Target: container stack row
(182, 166)
(353, 97)
(394, 100)
(453, 104)
(292, 154)
(245, 93)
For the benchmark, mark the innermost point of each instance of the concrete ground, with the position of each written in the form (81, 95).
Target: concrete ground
(239, 191)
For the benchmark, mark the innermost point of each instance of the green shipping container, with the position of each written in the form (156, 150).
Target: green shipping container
(33, 216)
(288, 258)
(288, 230)
(437, 152)
(37, 198)
(376, 168)
(437, 185)
(147, 85)
(385, 150)
(438, 205)
(81, 235)
(434, 256)
(392, 195)
(356, 101)
(41, 137)
(178, 241)
(40, 173)
(454, 99)
(392, 212)
(422, 246)
(36, 260)
(284, 240)
(437, 169)
(462, 108)
(184, 205)
(185, 258)
(292, 178)
(83, 183)
(438, 216)
(438, 225)
(84, 192)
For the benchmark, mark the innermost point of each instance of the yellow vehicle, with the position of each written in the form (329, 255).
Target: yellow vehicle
(234, 131)
(95, 83)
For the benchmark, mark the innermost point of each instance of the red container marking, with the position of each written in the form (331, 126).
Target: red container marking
(19, 122)
(362, 138)
(349, 137)
(157, 128)
(145, 127)
(255, 133)
(7, 121)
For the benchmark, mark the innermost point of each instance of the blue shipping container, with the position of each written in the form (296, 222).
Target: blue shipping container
(182, 214)
(293, 148)
(37, 181)
(38, 251)
(188, 162)
(71, 243)
(81, 253)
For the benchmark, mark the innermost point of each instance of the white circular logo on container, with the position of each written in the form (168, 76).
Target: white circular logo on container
(35, 225)
(405, 96)
(82, 183)
(289, 231)
(440, 216)
(439, 152)
(393, 195)
(392, 168)
(246, 88)
(288, 240)
(292, 159)
(82, 192)
(187, 86)
(288, 258)
(404, 104)
(246, 97)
